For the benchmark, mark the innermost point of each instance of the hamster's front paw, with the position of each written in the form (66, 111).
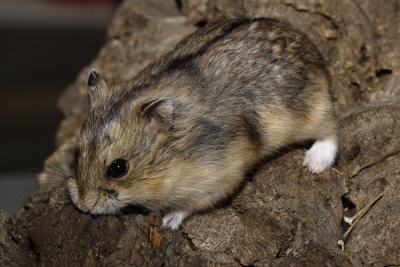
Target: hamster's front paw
(174, 219)
(320, 156)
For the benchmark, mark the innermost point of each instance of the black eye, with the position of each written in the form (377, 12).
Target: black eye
(118, 168)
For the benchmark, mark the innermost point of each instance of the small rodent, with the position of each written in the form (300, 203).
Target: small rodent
(181, 135)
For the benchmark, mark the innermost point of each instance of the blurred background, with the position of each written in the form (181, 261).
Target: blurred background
(43, 46)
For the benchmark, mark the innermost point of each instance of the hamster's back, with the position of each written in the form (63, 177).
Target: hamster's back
(258, 73)
(249, 61)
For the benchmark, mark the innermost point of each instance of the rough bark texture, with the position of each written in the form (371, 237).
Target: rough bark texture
(283, 216)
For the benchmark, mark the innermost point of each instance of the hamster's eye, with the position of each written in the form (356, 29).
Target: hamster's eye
(118, 168)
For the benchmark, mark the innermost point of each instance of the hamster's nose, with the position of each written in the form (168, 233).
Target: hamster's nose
(109, 192)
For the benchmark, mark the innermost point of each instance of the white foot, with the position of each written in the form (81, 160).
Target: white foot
(320, 156)
(173, 220)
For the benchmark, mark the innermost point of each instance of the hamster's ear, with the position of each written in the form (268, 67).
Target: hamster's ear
(159, 113)
(93, 80)
(96, 88)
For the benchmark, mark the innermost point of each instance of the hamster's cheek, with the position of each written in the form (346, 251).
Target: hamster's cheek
(124, 196)
(73, 192)
(127, 197)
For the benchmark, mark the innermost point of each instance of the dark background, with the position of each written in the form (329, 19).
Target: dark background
(43, 46)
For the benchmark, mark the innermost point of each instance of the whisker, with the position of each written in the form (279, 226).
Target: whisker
(68, 137)
(48, 138)
(57, 176)
(60, 170)
(95, 204)
(49, 187)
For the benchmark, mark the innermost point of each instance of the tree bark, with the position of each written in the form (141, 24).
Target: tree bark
(282, 216)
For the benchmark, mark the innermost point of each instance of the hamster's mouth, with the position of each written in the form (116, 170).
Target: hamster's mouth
(96, 202)
(103, 205)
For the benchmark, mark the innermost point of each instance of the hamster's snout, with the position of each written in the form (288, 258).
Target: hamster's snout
(97, 201)
(111, 193)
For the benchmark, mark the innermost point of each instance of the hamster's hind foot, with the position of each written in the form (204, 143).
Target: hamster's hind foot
(320, 156)
(174, 219)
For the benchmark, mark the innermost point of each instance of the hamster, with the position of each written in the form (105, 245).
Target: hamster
(181, 135)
